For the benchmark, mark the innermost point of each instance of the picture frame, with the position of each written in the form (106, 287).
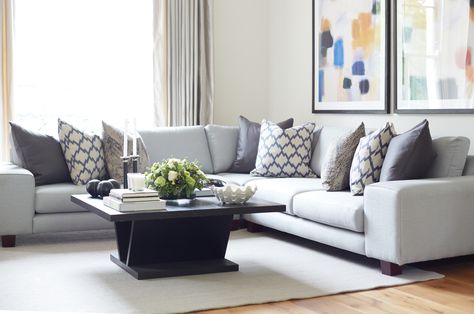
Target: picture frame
(434, 69)
(351, 54)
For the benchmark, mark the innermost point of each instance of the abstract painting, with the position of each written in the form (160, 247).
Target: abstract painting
(435, 45)
(350, 56)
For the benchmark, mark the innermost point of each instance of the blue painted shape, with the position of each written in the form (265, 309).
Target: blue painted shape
(339, 53)
(358, 68)
(347, 83)
(364, 86)
(321, 85)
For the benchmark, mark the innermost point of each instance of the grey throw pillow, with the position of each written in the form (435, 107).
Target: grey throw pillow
(284, 152)
(451, 156)
(409, 155)
(113, 149)
(84, 153)
(41, 155)
(247, 144)
(337, 163)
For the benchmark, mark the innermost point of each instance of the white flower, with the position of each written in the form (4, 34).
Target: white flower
(172, 162)
(172, 176)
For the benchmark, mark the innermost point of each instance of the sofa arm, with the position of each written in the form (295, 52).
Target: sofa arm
(17, 190)
(419, 220)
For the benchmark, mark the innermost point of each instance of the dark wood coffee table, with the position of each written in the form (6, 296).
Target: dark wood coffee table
(181, 240)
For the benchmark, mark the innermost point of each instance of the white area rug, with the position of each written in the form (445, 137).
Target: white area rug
(72, 273)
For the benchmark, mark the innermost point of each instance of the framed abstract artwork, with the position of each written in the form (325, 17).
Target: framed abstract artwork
(350, 56)
(434, 56)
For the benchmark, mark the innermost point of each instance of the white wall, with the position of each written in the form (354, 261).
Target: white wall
(263, 69)
(290, 62)
(241, 62)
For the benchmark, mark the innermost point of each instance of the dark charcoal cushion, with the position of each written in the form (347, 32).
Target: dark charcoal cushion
(41, 154)
(409, 155)
(247, 145)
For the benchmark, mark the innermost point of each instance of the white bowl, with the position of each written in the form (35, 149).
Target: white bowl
(233, 194)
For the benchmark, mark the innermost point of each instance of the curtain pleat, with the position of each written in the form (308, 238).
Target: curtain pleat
(189, 63)
(160, 63)
(6, 64)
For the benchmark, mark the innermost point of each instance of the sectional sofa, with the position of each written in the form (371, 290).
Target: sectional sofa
(395, 222)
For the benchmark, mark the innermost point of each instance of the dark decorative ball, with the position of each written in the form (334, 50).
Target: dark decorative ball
(115, 183)
(104, 187)
(91, 188)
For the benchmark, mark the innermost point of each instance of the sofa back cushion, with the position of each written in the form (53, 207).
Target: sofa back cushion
(323, 139)
(222, 145)
(451, 156)
(469, 166)
(188, 142)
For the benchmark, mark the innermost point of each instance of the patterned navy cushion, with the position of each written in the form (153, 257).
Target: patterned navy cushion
(84, 154)
(284, 152)
(368, 158)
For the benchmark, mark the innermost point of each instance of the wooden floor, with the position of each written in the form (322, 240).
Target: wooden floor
(453, 294)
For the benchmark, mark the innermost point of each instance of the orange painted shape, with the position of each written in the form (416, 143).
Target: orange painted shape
(325, 25)
(365, 20)
(470, 74)
(472, 14)
(355, 30)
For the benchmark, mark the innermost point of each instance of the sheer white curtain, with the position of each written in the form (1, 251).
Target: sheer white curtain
(88, 60)
(83, 61)
(184, 48)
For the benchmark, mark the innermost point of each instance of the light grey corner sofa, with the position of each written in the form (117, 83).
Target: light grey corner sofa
(396, 222)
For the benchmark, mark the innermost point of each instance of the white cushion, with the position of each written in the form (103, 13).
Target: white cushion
(56, 198)
(282, 190)
(337, 209)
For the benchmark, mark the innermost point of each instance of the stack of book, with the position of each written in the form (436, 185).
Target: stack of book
(125, 200)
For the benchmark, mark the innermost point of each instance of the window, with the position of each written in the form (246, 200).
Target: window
(84, 60)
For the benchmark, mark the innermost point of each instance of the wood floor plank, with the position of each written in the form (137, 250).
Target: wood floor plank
(410, 302)
(453, 294)
(446, 291)
(326, 305)
(369, 304)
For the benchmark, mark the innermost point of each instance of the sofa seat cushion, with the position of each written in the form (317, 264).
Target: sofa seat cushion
(55, 198)
(337, 209)
(282, 190)
(237, 178)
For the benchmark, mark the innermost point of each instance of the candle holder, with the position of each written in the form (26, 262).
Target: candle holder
(135, 159)
(125, 160)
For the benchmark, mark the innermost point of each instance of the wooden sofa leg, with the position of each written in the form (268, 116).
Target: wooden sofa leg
(8, 240)
(390, 269)
(235, 225)
(253, 227)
